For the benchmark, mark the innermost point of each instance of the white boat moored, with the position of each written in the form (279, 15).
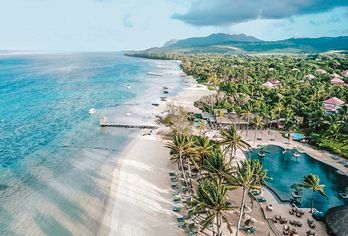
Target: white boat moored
(92, 111)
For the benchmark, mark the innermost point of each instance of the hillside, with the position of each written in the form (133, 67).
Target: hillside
(212, 39)
(242, 44)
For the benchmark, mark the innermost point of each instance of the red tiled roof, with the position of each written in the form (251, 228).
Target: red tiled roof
(333, 101)
(337, 81)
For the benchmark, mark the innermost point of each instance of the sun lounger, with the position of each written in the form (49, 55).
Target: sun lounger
(173, 179)
(176, 198)
(255, 192)
(176, 209)
(174, 186)
(172, 173)
(185, 189)
(181, 219)
(247, 229)
(182, 225)
(175, 193)
(261, 199)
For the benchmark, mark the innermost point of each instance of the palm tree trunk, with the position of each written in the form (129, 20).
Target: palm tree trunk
(190, 175)
(182, 168)
(312, 202)
(247, 126)
(217, 224)
(255, 136)
(278, 119)
(241, 210)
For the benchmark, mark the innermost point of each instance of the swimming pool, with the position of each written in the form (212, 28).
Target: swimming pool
(285, 170)
(297, 136)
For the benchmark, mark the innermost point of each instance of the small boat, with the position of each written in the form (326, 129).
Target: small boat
(163, 99)
(92, 111)
(155, 104)
(165, 88)
(154, 74)
(128, 114)
(128, 87)
(165, 91)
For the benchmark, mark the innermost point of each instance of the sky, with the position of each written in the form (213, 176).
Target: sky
(115, 25)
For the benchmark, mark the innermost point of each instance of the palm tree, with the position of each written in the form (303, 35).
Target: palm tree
(180, 146)
(272, 116)
(232, 141)
(201, 126)
(278, 108)
(246, 114)
(204, 147)
(210, 202)
(312, 181)
(213, 80)
(258, 121)
(249, 175)
(217, 167)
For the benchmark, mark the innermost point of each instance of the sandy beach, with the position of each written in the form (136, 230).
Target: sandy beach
(140, 201)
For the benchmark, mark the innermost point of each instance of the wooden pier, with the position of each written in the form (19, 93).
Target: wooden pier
(129, 126)
(105, 123)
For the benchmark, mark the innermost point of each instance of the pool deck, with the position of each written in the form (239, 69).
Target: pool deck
(282, 209)
(320, 155)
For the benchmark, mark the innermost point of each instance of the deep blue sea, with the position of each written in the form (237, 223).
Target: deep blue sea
(56, 162)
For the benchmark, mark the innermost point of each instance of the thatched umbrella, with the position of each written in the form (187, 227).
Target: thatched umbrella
(336, 219)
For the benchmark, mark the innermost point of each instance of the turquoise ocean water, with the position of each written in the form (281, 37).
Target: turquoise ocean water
(55, 161)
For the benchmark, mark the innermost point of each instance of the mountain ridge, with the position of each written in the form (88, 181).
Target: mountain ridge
(241, 44)
(215, 38)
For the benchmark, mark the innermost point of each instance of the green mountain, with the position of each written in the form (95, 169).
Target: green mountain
(212, 39)
(238, 44)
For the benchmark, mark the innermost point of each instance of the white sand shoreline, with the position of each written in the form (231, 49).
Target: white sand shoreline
(140, 201)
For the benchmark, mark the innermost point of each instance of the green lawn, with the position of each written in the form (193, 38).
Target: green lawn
(337, 147)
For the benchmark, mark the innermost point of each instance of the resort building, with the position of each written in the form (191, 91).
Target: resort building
(210, 118)
(275, 82)
(345, 73)
(320, 71)
(336, 76)
(309, 77)
(332, 104)
(337, 81)
(268, 85)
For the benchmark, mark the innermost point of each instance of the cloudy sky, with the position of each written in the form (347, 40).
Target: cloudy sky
(113, 25)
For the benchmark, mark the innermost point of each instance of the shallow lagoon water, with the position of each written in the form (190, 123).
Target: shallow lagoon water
(285, 169)
(56, 162)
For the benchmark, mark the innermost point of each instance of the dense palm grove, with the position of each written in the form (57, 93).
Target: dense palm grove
(208, 167)
(209, 173)
(297, 99)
